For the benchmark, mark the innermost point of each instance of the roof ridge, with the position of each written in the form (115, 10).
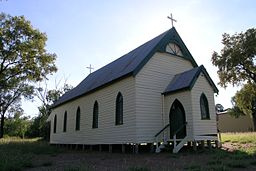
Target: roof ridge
(129, 64)
(117, 69)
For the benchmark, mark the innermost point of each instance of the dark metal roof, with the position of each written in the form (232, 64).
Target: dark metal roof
(187, 79)
(129, 64)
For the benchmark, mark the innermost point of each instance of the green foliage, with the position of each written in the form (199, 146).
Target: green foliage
(39, 127)
(246, 99)
(23, 61)
(235, 111)
(236, 65)
(236, 61)
(17, 125)
(244, 102)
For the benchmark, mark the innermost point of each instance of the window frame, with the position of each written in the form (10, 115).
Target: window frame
(55, 124)
(95, 118)
(78, 118)
(119, 109)
(65, 122)
(204, 107)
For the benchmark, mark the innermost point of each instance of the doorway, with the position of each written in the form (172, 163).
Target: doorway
(177, 119)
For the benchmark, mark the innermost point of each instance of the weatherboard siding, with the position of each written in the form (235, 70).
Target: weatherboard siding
(202, 127)
(107, 132)
(185, 99)
(151, 81)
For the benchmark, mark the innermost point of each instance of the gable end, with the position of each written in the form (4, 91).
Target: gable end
(187, 79)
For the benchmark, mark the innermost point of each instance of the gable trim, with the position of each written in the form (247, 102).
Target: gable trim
(127, 65)
(172, 36)
(193, 81)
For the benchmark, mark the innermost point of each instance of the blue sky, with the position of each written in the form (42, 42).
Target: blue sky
(83, 32)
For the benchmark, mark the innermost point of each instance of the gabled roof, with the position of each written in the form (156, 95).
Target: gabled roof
(127, 65)
(187, 79)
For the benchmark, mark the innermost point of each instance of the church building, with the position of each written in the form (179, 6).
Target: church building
(155, 94)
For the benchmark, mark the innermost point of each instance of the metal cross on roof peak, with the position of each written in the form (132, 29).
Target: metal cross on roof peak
(90, 68)
(172, 19)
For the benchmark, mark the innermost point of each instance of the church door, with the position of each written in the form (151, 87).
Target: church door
(177, 119)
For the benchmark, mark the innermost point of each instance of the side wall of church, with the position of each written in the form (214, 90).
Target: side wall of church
(203, 127)
(107, 132)
(151, 81)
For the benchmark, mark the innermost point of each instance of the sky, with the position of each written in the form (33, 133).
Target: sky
(96, 32)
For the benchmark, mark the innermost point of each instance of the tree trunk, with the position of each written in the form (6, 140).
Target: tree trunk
(254, 121)
(2, 126)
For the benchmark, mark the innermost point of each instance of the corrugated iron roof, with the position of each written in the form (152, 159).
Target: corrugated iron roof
(187, 79)
(129, 64)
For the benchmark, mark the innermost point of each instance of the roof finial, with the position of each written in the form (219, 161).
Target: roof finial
(172, 19)
(90, 68)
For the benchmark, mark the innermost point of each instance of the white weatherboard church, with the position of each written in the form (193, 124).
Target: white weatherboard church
(155, 93)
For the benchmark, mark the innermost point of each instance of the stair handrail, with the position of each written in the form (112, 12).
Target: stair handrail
(174, 135)
(178, 130)
(166, 126)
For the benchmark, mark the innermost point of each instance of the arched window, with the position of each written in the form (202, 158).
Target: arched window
(119, 109)
(55, 124)
(204, 107)
(95, 115)
(65, 122)
(78, 119)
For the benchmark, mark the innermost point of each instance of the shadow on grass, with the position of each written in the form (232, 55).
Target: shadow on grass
(17, 154)
(223, 160)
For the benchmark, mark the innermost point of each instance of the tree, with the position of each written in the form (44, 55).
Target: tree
(236, 61)
(40, 127)
(17, 125)
(23, 61)
(237, 65)
(235, 111)
(244, 102)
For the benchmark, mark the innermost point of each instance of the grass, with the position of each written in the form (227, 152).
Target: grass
(48, 163)
(246, 142)
(17, 154)
(193, 167)
(136, 168)
(241, 138)
(242, 157)
(77, 168)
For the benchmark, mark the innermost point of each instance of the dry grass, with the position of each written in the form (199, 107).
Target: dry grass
(34, 154)
(243, 142)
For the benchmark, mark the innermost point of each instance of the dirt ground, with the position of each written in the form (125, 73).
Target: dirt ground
(104, 161)
(116, 161)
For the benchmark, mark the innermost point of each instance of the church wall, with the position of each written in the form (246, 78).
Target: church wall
(185, 98)
(107, 132)
(151, 81)
(202, 127)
